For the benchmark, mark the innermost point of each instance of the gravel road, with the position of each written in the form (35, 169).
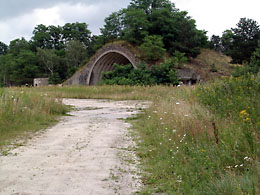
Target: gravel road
(89, 152)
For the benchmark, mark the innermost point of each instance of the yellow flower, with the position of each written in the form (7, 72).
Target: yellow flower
(243, 112)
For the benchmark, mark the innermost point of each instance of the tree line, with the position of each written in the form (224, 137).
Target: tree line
(155, 26)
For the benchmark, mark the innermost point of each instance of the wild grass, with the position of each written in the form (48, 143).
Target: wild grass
(192, 140)
(202, 140)
(104, 92)
(23, 111)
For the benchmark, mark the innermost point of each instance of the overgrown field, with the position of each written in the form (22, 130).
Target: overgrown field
(23, 111)
(192, 140)
(203, 140)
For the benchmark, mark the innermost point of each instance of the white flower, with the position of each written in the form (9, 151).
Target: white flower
(177, 103)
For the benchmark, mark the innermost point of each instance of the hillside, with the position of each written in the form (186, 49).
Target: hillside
(211, 64)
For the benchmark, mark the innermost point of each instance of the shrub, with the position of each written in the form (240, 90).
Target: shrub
(127, 75)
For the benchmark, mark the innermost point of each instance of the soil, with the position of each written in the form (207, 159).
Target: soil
(89, 152)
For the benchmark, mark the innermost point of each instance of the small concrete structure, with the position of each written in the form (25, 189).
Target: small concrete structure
(188, 76)
(37, 82)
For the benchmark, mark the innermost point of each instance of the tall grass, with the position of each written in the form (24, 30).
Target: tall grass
(203, 140)
(192, 140)
(23, 111)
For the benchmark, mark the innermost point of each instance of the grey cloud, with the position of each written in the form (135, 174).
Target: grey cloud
(12, 8)
(17, 17)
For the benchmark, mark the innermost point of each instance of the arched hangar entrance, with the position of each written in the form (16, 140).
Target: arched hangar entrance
(102, 61)
(106, 63)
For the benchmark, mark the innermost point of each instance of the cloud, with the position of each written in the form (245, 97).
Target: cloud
(218, 16)
(58, 14)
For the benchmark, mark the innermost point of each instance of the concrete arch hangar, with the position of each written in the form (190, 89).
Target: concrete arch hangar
(103, 61)
(106, 62)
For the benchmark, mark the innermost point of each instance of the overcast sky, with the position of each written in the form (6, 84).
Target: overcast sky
(19, 17)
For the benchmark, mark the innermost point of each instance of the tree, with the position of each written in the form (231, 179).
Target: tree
(114, 25)
(75, 55)
(41, 37)
(136, 26)
(241, 42)
(156, 17)
(77, 32)
(18, 45)
(152, 49)
(3, 48)
(150, 5)
(56, 37)
(254, 64)
(215, 43)
(49, 59)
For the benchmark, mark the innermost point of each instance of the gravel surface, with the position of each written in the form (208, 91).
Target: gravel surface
(89, 152)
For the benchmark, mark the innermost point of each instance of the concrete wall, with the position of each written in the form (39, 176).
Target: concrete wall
(37, 82)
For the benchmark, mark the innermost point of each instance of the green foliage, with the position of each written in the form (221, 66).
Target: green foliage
(238, 99)
(126, 75)
(113, 26)
(56, 37)
(152, 17)
(178, 59)
(136, 26)
(3, 48)
(49, 59)
(241, 42)
(253, 67)
(215, 43)
(75, 54)
(19, 66)
(152, 49)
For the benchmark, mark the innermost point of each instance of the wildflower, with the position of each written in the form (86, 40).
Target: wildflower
(244, 115)
(236, 166)
(177, 103)
(243, 112)
(161, 118)
(241, 165)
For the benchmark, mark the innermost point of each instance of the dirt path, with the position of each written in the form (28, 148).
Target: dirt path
(86, 153)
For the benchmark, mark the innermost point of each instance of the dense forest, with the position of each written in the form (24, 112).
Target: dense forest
(155, 26)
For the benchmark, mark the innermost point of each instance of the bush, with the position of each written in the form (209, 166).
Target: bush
(127, 75)
(152, 49)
